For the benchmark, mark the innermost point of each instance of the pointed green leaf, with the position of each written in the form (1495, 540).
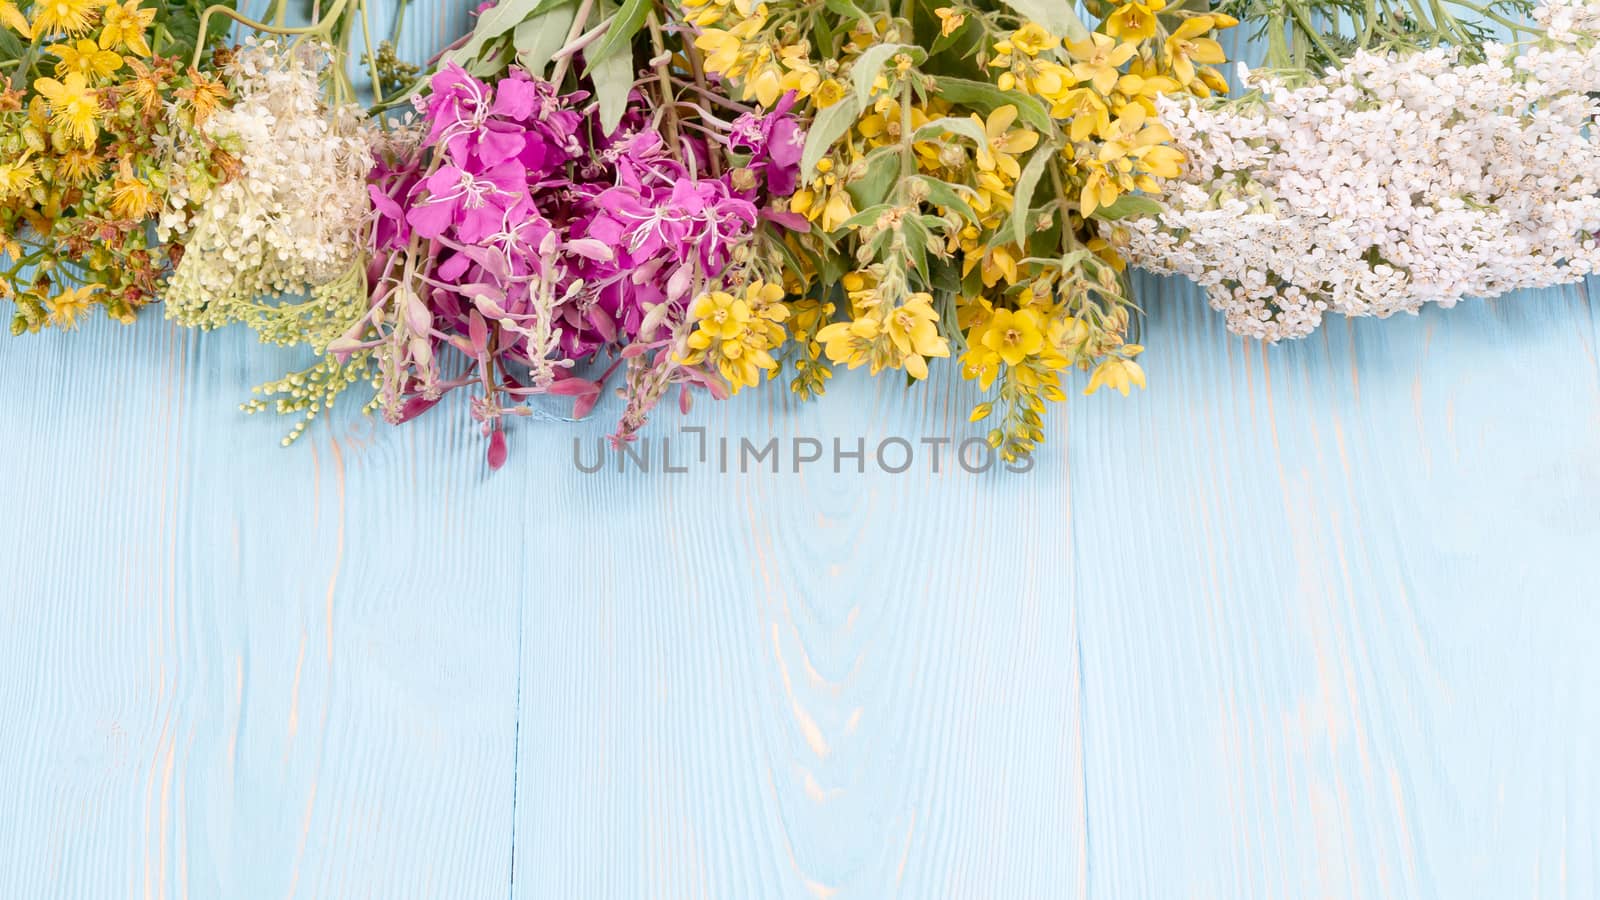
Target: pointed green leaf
(538, 37)
(625, 23)
(987, 97)
(613, 80)
(1022, 194)
(944, 194)
(964, 127)
(883, 169)
(1128, 206)
(495, 22)
(829, 125)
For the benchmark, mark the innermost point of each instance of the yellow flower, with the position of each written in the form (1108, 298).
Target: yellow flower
(949, 20)
(145, 87)
(86, 58)
(71, 16)
(1000, 152)
(737, 335)
(79, 165)
(1033, 40)
(204, 95)
(720, 314)
(1185, 47)
(16, 176)
(1098, 191)
(1086, 111)
(1014, 335)
(66, 307)
(73, 105)
(13, 19)
(828, 93)
(853, 343)
(131, 198)
(125, 25)
(912, 328)
(825, 201)
(1135, 21)
(1098, 59)
(1116, 373)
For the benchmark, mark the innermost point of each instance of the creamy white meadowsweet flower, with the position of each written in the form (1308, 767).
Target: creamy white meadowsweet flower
(291, 218)
(1390, 183)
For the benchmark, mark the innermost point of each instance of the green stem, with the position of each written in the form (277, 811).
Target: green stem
(1311, 31)
(322, 28)
(578, 21)
(399, 21)
(372, 57)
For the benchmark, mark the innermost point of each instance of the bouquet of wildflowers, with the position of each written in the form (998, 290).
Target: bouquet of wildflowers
(705, 195)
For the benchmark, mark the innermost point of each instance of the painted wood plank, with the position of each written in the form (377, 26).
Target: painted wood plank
(1300, 621)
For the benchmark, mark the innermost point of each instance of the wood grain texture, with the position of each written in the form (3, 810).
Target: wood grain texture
(1304, 621)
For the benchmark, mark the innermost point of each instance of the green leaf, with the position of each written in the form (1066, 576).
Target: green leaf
(619, 35)
(945, 195)
(883, 170)
(498, 20)
(494, 61)
(1128, 206)
(613, 80)
(538, 37)
(916, 238)
(987, 97)
(1022, 194)
(869, 64)
(964, 127)
(848, 9)
(865, 217)
(1057, 17)
(829, 125)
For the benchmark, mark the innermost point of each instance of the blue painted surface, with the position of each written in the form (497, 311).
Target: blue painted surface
(1305, 621)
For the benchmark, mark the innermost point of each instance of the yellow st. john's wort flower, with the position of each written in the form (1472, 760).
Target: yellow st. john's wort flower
(1185, 47)
(86, 58)
(1135, 21)
(66, 307)
(70, 16)
(73, 106)
(125, 25)
(12, 18)
(16, 176)
(204, 95)
(131, 198)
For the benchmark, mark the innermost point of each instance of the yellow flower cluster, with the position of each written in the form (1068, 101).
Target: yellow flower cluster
(956, 210)
(736, 335)
(79, 170)
(885, 334)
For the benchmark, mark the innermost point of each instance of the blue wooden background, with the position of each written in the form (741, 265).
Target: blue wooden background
(1306, 621)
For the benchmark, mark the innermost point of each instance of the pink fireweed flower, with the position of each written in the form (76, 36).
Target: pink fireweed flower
(475, 206)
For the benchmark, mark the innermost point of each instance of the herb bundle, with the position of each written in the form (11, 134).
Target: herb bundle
(702, 196)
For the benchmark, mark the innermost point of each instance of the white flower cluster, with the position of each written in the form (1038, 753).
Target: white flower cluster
(294, 213)
(1390, 183)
